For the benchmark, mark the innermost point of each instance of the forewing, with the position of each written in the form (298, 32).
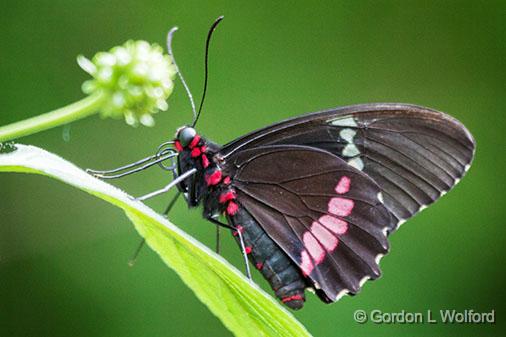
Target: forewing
(326, 215)
(413, 153)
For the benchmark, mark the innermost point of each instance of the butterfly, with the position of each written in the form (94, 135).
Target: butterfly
(313, 199)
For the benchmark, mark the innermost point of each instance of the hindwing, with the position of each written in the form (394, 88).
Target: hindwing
(326, 215)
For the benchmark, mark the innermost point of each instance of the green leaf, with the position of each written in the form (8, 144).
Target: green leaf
(241, 305)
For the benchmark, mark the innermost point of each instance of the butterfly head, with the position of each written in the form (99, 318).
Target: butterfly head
(185, 135)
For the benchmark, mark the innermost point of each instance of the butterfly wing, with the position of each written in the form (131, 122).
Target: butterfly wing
(323, 213)
(414, 154)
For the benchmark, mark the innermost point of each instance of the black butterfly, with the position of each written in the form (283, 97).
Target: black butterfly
(314, 198)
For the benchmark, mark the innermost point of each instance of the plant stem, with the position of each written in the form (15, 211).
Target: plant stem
(80, 109)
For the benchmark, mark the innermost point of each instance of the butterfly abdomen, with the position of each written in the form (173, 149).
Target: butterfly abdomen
(282, 274)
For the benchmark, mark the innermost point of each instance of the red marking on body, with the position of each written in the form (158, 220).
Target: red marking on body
(306, 265)
(239, 229)
(224, 197)
(205, 161)
(178, 146)
(226, 181)
(313, 247)
(259, 265)
(195, 152)
(343, 186)
(247, 249)
(203, 149)
(326, 238)
(194, 141)
(292, 298)
(334, 224)
(232, 208)
(341, 206)
(213, 178)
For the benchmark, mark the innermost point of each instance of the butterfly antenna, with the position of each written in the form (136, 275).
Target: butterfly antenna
(188, 92)
(208, 41)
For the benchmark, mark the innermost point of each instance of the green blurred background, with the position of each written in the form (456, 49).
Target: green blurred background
(63, 253)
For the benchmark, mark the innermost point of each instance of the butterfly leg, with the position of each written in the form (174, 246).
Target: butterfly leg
(171, 203)
(241, 240)
(143, 241)
(244, 255)
(169, 185)
(132, 261)
(217, 250)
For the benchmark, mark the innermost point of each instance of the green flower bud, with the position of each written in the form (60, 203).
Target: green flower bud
(137, 78)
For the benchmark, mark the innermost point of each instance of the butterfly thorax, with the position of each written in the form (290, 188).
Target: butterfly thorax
(210, 185)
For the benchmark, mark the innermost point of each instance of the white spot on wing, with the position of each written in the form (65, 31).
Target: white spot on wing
(356, 163)
(378, 258)
(401, 221)
(347, 134)
(455, 182)
(380, 197)
(346, 121)
(341, 294)
(363, 280)
(350, 150)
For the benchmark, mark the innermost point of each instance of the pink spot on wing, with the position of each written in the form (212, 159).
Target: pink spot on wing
(313, 247)
(326, 238)
(343, 186)
(334, 224)
(306, 265)
(341, 206)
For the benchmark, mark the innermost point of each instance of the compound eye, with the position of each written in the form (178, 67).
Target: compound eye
(186, 136)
